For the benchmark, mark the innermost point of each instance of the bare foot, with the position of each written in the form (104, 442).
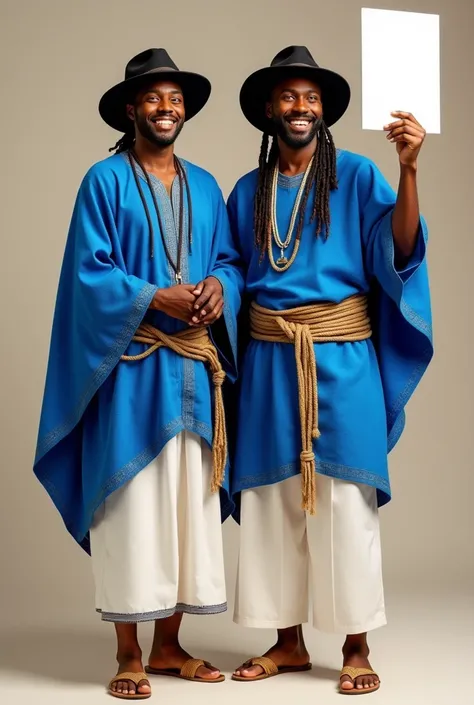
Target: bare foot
(173, 656)
(131, 664)
(356, 654)
(290, 650)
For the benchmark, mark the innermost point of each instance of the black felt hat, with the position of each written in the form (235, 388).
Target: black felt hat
(294, 61)
(143, 69)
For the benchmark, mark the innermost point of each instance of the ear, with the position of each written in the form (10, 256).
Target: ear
(269, 110)
(131, 112)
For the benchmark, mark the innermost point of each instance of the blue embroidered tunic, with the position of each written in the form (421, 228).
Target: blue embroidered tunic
(104, 420)
(363, 387)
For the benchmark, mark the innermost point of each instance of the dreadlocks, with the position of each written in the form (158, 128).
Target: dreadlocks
(322, 178)
(124, 144)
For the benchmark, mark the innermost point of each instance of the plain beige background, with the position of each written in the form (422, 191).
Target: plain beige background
(57, 58)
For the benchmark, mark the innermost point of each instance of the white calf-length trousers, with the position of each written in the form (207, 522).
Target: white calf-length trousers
(287, 557)
(156, 543)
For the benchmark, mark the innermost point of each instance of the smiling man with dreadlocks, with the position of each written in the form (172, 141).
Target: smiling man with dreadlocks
(325, 377)
(132, 445)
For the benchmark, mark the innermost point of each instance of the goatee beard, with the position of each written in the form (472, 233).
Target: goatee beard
(149, 133)
(293, 140)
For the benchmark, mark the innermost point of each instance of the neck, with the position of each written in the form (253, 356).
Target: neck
(154, 157)
(294, 161)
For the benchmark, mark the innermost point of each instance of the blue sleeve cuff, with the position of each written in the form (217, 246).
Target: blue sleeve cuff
(415, 259)
(388, 274)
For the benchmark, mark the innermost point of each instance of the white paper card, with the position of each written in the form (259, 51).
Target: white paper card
(400, 68)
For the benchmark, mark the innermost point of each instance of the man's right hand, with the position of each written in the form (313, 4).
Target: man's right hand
(177, 301)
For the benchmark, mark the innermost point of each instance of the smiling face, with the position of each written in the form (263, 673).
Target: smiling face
(158, 113)
(296, 110)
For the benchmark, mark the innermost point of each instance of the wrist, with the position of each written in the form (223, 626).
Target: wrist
(157, 301)
(409, 169)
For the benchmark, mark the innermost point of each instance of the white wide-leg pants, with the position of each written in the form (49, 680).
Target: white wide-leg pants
(287, 557)
(156, 542)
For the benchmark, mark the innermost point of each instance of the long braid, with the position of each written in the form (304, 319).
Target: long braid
(322, 179)
(326, 180)
(259, 204)
(267, 162)
(125, 143)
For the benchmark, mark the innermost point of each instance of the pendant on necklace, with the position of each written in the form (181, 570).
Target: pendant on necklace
(178, 277)
(282, 260)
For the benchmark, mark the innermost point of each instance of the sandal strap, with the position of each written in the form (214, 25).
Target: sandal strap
(354, 673)
(136, 678)
(190, 667)
(269, 667)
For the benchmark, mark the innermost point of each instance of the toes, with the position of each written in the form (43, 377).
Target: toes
(209, 674)
(144, 687)
(249, 671)
(214, 673)
(346, 683)
(252, 672)
(129, 687)
(364, 682)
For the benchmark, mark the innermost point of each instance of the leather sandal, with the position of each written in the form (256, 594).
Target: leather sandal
(187, 671)
(136, 678)
(270, 669)
(354, 673)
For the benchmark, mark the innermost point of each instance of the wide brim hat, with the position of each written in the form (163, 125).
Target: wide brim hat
(152, 65)
(292, 62)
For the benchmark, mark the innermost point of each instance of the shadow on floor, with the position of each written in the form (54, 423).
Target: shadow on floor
(75, 657)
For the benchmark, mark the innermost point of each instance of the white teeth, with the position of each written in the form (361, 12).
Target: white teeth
(299, 123)
(164, 123)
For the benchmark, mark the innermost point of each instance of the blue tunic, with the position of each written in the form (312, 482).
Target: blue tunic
(363, 386)
(104, 420)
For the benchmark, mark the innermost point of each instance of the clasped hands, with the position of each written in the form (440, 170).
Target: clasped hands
(198, 305)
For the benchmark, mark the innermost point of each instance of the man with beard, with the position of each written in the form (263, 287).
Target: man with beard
(324, 379)
(149, 290)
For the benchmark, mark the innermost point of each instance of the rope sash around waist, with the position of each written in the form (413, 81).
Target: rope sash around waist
(194, 344)
(345, 322)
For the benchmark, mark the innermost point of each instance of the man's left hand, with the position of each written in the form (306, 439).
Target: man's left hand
(408, 135)
(209, 304)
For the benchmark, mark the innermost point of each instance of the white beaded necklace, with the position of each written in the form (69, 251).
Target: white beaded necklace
(283, 263)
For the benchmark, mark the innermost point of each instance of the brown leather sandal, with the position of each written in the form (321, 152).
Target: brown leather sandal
(270, 669)
(136, 678)
(354, 673)
(187, 671)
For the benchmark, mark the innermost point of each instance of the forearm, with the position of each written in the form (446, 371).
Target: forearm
(406, 215)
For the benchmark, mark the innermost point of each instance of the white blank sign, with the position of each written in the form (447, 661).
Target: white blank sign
(400, 68)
